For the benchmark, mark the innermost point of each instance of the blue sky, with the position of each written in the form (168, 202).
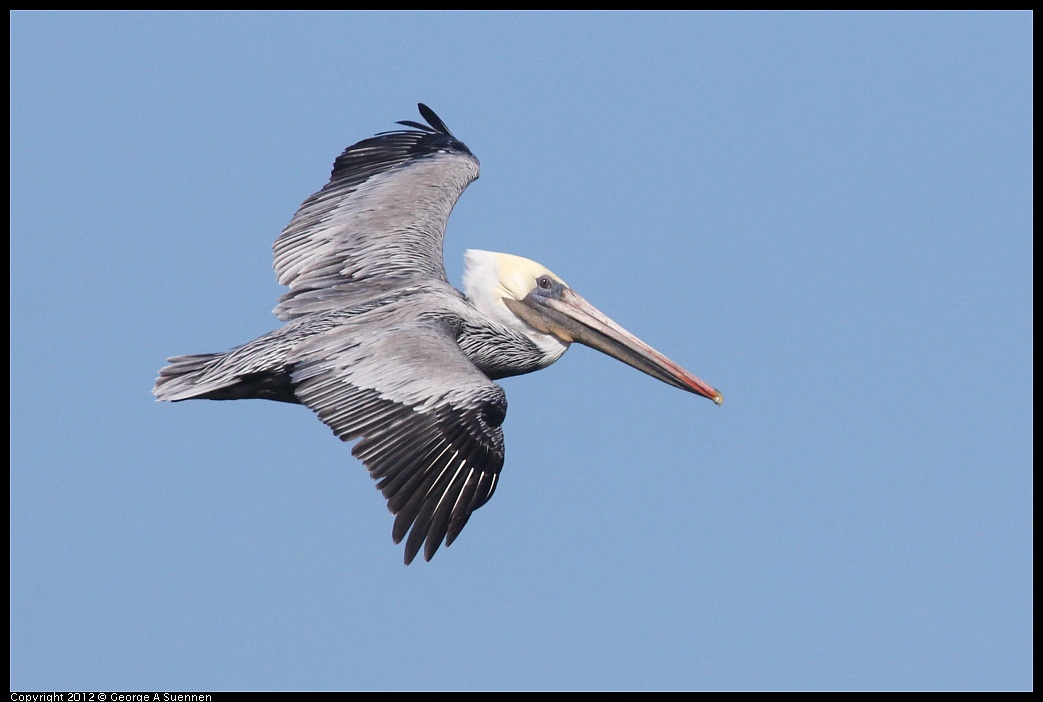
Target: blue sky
(826, 216)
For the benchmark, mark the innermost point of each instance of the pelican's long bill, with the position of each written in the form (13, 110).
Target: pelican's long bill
(568, 316)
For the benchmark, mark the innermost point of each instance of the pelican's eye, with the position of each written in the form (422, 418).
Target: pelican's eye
(544, 282)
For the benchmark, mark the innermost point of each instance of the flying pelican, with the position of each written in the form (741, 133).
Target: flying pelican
(384, 350)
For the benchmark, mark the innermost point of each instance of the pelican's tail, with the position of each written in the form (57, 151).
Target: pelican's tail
(186, 378)
(223, 376)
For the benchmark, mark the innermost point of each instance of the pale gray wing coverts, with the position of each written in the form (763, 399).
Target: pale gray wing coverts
(379, 221)
(433, 443)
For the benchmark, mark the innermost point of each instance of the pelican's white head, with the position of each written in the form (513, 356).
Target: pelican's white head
(491, 278)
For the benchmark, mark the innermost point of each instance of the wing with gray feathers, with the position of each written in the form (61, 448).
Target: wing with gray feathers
(379, 220)
(428, 423)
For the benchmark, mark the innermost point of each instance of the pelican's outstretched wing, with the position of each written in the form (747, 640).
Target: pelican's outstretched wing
(428, 421)
(378, 222)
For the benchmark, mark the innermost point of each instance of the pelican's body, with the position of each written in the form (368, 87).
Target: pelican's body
(385, 350)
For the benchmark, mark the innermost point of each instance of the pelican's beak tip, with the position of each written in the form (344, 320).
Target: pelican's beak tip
(718, 398)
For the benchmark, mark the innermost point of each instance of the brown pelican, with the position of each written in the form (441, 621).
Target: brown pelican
(380, 345)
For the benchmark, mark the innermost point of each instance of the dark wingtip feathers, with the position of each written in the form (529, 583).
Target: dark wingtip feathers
(434, 122)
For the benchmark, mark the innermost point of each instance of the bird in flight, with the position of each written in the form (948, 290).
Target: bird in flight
(387, 353)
